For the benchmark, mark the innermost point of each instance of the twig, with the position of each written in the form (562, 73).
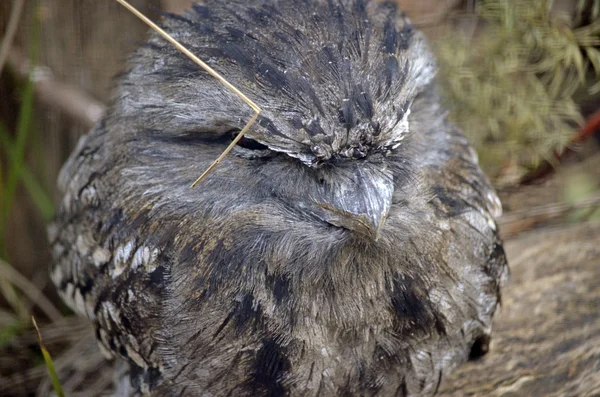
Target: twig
(213, 73)
(52, 93)
(11, 30)
(520, 221)
(30, 290)
(591, 126)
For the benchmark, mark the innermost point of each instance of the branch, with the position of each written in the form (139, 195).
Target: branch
(519, 221)
(30, 290)
(52, 93)
(11, 30)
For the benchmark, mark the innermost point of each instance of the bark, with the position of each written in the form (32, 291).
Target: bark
(546, 339)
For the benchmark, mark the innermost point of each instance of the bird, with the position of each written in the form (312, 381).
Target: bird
(347, 246)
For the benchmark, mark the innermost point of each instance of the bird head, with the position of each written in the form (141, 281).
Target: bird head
(336, 82)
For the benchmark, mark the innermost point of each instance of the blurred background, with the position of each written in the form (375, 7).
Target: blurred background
(521, 78)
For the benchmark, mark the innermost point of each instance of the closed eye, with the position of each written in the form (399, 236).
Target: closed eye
(250, 144)
(249, 148)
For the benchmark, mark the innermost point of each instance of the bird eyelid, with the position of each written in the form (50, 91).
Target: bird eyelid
(246, 142)
(210, 71)
(249, 148)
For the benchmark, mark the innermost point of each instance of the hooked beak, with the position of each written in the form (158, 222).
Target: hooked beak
(356, 197)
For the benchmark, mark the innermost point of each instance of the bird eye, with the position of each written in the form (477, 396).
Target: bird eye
(251, 144)
(248, 147)
(248, 143)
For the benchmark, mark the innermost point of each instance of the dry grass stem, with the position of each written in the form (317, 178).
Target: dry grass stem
(210, 71)
(31, 291)
(11, 30)
(55, 94)
(526, 219)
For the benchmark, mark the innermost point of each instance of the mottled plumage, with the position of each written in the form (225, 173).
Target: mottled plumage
(346, 247)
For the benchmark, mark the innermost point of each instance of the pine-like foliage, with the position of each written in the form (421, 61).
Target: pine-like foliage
(511, 87)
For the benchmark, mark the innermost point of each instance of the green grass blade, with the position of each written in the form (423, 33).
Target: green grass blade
(17, 154)
(38, 194)
(49, 363)
(24, 120)
(10, 331)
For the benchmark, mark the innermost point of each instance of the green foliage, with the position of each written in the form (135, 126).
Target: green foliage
(9, 331)
(587, 10)
(38, 194)
(14, 169)
(578, 187)
(511, 88)
(16, 154)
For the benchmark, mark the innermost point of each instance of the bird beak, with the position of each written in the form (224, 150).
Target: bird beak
(356, 197)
